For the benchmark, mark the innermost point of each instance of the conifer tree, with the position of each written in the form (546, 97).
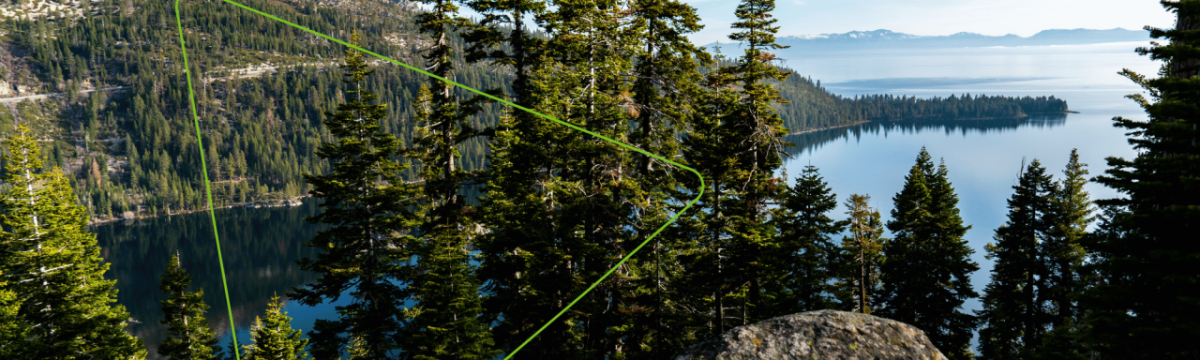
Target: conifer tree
(1149, 271)
(53, 263)
(861, 253)
(660, 100)
(1071, 213)
(367, 248)
(274, 338)
(758, 130)
(803, 256)
(526, 255)
(591, 183)
(445, 321)
(188, 334)
(706, 234)
(1014, 315)
(926, 278)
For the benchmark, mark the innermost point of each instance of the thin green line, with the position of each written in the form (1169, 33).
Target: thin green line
(572, 126)
(207, 186)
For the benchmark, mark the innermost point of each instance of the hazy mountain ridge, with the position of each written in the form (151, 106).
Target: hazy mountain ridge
(887, 38)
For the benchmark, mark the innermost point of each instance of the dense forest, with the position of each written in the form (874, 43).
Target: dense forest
(564, 254)
(265, 88)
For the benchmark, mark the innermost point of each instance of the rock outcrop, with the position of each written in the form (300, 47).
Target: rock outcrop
(825, 334)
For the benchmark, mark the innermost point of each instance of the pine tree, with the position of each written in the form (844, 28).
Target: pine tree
(706, 234)
(445, 321)
(660, 100)
(1150, 273)
(367, 248)
(591, 185)
(524, 257)
(188, 334)
(926, 279)
(1071, 212)
(803, 256)
(861, 253)
(758, 130)
(54, 264)
(273, 338)
(1014, 315)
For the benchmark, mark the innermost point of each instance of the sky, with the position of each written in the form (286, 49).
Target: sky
(937, 17)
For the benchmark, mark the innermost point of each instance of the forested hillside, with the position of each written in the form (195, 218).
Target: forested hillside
(122, 125)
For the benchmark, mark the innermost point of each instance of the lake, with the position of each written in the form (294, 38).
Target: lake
(983, 157)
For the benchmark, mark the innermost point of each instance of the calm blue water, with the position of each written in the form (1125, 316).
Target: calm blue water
(983, 157)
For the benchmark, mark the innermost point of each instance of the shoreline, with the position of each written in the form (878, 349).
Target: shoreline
(291, 202)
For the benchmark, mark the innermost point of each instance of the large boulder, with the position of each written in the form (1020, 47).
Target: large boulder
(825, 334)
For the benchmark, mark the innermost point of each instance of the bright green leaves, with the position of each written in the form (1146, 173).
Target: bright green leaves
(53, 263)
(273, 338)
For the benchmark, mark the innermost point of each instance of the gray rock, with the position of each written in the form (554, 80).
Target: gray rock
(825, 334)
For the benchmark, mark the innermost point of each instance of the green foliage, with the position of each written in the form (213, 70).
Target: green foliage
(1146, 268)
(803, 261)
(757, 138)
(188, 333)
(1027, 311)
(53, 263)
(273, 338)
(926, 278)
(861, 254)
(12, 329)
(444, 323)
(1014, 312)
(367, 246)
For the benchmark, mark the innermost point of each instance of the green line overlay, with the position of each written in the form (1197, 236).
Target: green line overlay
(410, 67)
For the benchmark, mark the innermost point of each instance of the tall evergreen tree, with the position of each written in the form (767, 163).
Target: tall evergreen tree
(1014, 315)
(445, 321)
(758, 131)
(705, 235)
(54, 264)
(803, 261)
(188, 334)
(861, 253)
(660, 100)
(519, 253)
(926, 278)
(590, 183)
(368, 247)
(1140, 310)
(1064, 258)
(274, 338)
(1071, 212)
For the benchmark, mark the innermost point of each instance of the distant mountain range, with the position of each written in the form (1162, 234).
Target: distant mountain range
(890, 39)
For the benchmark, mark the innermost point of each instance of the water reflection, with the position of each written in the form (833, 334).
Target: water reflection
(260, 247)
(811, 141)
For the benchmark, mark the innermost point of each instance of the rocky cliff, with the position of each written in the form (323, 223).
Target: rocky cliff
(825, 334)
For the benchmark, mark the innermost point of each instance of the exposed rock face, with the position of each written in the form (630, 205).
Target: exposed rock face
(825, 334)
